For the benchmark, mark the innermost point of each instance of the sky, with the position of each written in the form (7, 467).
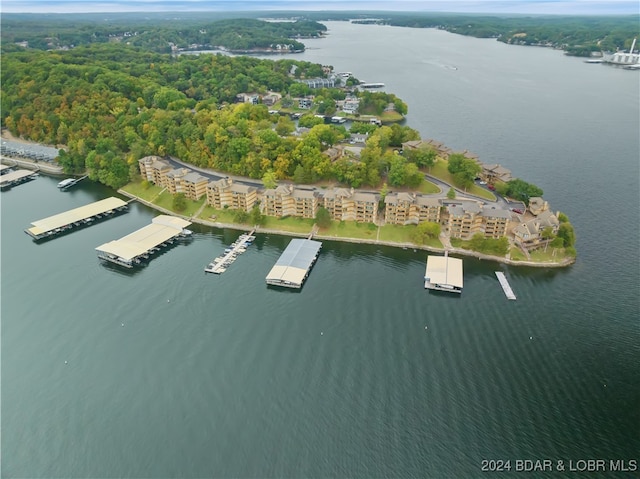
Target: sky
(559, 7)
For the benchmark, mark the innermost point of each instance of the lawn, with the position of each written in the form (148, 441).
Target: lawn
(391, 117)
(138, 189)
(165, 200)
(516, 254)
(221, 216)
(295, 225)
(350, 229)
(541, 256)
(427, 188)
(402, 234)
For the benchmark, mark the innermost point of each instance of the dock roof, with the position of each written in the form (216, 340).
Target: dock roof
(161, 229)
(444, 270)
(77, 214)
(294, 263)
(15, 175)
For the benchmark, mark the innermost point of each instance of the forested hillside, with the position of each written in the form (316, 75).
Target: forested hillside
(238, 34)
(113, 104)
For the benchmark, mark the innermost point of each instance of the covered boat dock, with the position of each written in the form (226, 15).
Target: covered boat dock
(75, 218)
(443, 274)
(293, 266)
(15, 177)
(130, 250)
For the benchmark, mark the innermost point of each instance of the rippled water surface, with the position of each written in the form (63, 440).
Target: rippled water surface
(173, 373)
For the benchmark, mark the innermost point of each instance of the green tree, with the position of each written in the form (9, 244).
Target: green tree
(425, 231)
(451, 194)
(257, 218)
(323, 218)
(269, 179)
(568, 235)
(179, 202)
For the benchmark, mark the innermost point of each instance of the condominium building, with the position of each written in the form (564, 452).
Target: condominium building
(154, 169)
(529, 233)
(173, 180)
(227, 193)
(194, 185)
(286, 200)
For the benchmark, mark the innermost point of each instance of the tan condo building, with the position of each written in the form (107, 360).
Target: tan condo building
(154, 169)
(226, 193)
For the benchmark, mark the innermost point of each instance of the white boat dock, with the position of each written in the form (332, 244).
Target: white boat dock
(130, 250)
(220, 264)
(505, 285)
(15, 177)
(293, 266)
(76, 218)
(444, 274)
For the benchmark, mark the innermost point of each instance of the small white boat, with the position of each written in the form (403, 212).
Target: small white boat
(67, 183)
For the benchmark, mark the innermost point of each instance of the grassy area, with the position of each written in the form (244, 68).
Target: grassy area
(402, 234)
(350, 229)
(165, 200)
(516, 254)
(391, 117)
(439, 170)
(428, 188)
(545, 257)
(295, 225)
(209, 213)
(138, 189)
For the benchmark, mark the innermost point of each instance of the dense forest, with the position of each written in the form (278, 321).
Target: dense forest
(111, 104)
(576, 35)
(236, 35)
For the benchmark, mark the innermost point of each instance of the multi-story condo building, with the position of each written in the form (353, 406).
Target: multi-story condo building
(339, 203)
(154, 169)
(194, 185)
(286, 200)
(529, 233)
(410, 208)
(227, 193)
(429, 209)
(463, 219)
(366, 207)
(173, 180)
(495, 221)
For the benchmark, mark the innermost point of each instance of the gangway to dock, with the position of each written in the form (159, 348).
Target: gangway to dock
(69, 182)
(505, 285)
(220, 264)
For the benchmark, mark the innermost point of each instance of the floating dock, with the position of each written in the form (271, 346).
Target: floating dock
(505, 285)
(220, 264)
(16, 177)
(293, 266)
(444, 274)
(132, 249)
(76, 218)
(69, 182)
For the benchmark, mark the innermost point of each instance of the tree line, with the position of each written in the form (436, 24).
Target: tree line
(111, 104)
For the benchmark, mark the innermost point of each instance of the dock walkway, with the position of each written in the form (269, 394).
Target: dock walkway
(505, 285)
(220, 264)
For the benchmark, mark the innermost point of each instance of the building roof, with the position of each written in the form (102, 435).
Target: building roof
(194, 177)
(493, 212)
(428, 201)
(365, 197)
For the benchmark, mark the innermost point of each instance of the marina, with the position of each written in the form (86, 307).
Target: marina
(293, 266)
(505, 285)
(444, 273)
(131, 250)
(76, 218)
(220, 264)
(16, 177)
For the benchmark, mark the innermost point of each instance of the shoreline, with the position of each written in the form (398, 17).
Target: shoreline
(459, 251)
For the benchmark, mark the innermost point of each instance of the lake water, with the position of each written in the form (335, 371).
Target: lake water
(168, 372)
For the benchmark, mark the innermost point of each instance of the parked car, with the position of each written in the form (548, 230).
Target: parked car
(516, 210)
(483, 182)
(491, 187)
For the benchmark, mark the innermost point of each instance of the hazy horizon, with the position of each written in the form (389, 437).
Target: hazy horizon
(542, 7)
